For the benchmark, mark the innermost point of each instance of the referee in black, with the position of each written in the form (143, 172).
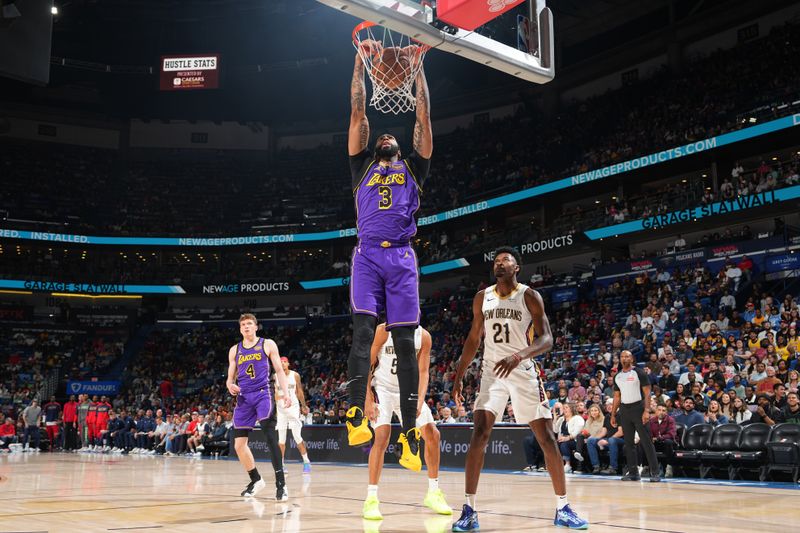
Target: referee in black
(631, 394)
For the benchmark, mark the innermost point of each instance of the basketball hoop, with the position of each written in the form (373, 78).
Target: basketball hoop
(392, 61)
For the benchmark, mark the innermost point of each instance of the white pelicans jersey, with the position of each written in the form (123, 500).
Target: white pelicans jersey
(385, 373)
(508, 323)
(291, 379)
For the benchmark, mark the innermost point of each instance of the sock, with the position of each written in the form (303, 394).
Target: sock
(305, 458)
(280, 480)
(561, 502)
(433, 483)
(254, 475)
(407, 374)
(470, 500)
(372, 490)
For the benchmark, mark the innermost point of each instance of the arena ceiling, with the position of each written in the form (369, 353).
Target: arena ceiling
(290, 60)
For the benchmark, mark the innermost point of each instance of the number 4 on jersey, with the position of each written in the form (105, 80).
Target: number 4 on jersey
(250, 371)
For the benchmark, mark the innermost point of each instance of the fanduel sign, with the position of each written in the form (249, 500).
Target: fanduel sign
(107, 388)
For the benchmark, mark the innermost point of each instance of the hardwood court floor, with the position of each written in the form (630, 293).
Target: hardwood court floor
(94, 493)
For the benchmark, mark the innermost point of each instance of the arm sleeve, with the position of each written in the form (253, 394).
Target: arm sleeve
(358, 166)
(420, 167)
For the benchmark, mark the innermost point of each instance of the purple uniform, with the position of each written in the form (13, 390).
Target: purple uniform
(384, 273)
(254, 402)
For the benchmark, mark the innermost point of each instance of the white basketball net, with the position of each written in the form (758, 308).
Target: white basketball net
(393, 79)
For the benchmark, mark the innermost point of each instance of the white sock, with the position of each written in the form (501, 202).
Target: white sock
(561, 502)
(433, 483)
(305, 458)
(372, 490)
(470, 500)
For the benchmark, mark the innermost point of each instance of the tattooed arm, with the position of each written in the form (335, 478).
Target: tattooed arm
(423, 133)
(358, 135)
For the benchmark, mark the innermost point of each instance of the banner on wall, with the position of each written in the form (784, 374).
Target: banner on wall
(89, 288)
(713, 257)
(293, 314)
(537, 247)
(12, 313)
(752, 201)
(101, 388)
(248, 287)
(779, 263)
(564, 295)
(586, 177)
(328, 443)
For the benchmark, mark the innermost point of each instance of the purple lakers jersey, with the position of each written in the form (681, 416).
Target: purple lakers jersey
(387, 199)
(252, 367)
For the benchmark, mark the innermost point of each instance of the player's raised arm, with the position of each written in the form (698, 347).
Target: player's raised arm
(471, 345)
(358, 135)
(540, 345)
(423, 132)
(233, 388)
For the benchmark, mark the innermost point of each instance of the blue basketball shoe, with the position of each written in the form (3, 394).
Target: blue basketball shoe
(468, 520)
(566, 517)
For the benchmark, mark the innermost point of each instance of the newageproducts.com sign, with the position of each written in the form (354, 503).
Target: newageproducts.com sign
(536, 247)
(247, 287)
(328, 443)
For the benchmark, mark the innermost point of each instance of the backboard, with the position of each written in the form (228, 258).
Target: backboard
(418, 19)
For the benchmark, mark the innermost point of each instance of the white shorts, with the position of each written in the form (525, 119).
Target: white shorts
(522, 385)
(289, 418)
(389, 404)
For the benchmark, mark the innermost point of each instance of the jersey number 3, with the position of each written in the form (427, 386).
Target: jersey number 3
(386, 197)
(498, 333)
(250, 371)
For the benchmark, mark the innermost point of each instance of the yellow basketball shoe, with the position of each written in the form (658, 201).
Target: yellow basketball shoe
(434, 500)
(358, 430)
(409, 444)
(371, 510)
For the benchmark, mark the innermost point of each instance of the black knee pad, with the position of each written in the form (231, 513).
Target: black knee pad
(268, 424)
(403, 339)
(364, 331)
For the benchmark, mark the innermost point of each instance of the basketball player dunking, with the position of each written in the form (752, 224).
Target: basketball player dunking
(383, 401)
(290, 418)
(512, 318)
(384, 275)
(248, 380)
